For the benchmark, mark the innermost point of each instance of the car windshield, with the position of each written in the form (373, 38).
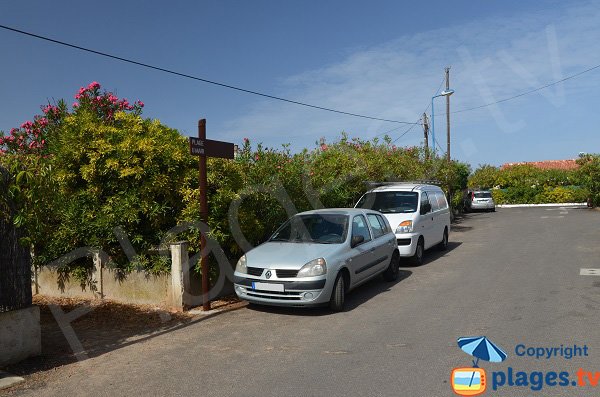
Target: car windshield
(313, 228)
(483, 195)
(390, 202)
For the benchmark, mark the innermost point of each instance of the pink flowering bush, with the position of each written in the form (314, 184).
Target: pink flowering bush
(104, 104)
(33, 137)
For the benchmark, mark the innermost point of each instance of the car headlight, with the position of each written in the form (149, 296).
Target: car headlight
(405, 227)
(316, 267)
(241, 265)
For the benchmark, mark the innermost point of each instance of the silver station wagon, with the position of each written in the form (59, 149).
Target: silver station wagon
(316, 257)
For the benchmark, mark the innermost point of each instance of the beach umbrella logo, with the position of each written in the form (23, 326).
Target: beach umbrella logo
(471, 381)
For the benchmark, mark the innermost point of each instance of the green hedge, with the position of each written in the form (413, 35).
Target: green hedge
(525, 184)
(80, 172)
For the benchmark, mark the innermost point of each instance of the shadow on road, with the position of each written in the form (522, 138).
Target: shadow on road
(108, 326)
(432, 255)
(354, 298)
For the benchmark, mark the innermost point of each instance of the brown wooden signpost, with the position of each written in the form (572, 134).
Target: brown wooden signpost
(204, 148)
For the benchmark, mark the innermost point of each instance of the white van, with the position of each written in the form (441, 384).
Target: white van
(418, 213)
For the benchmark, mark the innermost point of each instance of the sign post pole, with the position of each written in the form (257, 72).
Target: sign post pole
(203, 217)
(204, 148)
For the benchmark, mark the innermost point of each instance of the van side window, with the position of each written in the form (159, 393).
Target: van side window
(442, 200)
(376, 226)
(434, 200)
(424, 199)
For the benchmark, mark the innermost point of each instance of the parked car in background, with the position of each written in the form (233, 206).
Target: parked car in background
(418, 213)
(479, 200)
(316, 257)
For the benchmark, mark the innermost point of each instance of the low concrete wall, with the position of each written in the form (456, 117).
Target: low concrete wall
(134, 287)
(174, 291)
(20, 335)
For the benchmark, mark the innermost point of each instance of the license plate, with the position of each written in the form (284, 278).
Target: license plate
(268, 287)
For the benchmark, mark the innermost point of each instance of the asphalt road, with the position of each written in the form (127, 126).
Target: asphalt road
(513, 276)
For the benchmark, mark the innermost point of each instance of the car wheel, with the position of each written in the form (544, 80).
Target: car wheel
(494, 209)
(393, 269)
(444, 244)
(338, 295)
(417, 258)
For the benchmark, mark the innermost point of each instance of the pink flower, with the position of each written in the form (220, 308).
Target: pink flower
(93, 85)
(246, 140)
(75, 104)
(140, 104)
(256, 157)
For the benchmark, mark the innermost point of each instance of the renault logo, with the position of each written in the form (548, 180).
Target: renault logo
(268, 274)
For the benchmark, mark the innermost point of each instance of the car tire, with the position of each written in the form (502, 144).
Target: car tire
(417, 258)
(443, 246)
(393, 269)
(338, 295)
(494, 209)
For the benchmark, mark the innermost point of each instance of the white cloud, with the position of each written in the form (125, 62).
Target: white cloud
(492, 59)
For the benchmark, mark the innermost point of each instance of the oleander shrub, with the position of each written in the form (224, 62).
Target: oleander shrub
(526, 184)
(80, 171)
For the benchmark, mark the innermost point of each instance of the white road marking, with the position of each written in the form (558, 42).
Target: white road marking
(564, 212)
(589, 272)
(553, 217)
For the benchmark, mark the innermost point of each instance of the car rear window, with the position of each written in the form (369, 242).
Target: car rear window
(483, 195)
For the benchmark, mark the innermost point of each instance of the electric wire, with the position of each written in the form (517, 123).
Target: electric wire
(528, 92)
(188, 76)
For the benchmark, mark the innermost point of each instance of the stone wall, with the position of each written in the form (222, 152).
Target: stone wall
(20, 335)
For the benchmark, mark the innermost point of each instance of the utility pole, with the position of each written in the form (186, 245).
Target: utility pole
(447, 113)
(426, 133)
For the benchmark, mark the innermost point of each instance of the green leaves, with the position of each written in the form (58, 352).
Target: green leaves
(526, 184)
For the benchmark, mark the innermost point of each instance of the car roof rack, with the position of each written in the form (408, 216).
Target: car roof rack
(374, 184)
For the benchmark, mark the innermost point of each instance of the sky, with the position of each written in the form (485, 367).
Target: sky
(383, 59)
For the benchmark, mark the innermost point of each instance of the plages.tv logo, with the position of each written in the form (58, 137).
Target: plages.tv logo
(472, 381)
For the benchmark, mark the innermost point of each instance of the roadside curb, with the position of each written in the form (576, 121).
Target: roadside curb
(198, 312)
(582, 205)
(8, 380)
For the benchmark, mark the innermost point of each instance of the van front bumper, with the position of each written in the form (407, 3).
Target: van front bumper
(407, 243)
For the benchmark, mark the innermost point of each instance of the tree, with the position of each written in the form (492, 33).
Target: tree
(589, 174)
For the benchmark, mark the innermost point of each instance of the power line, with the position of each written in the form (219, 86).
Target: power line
(104, 54)
(424, 111)
(417, 122)
(528, 92)
(405, 132)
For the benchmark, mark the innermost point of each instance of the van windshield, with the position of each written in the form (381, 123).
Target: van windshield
(390, 202)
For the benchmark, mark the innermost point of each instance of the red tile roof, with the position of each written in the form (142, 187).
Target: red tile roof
(547, 165)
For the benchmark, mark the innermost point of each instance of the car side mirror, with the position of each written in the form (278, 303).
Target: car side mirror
(425, 208)
(356, 240)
